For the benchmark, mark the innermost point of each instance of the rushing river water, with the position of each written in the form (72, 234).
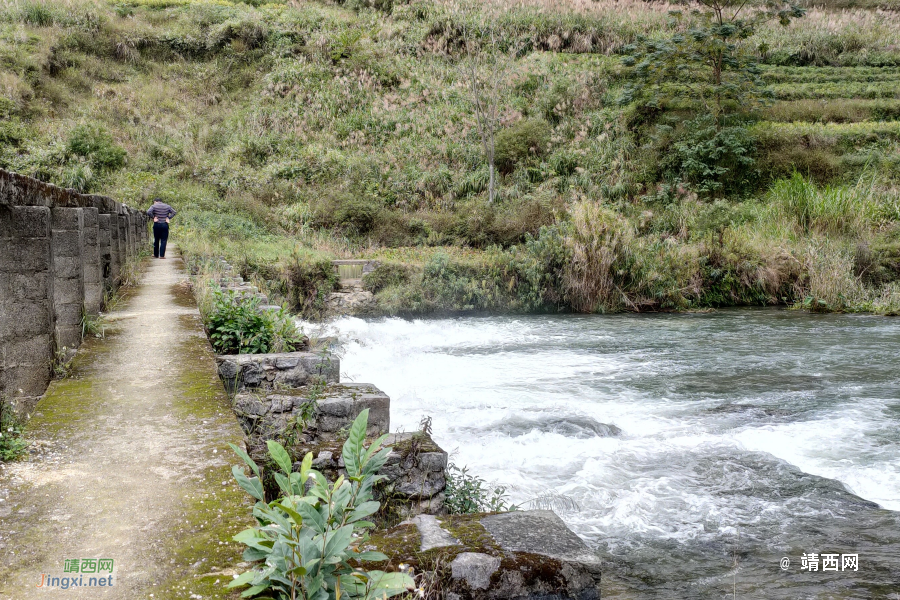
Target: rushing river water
(700, 449)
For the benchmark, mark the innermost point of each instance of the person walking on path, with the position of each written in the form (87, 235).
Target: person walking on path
(162, 214)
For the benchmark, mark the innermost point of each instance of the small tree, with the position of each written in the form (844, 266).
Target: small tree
(705, 74)
(706, 63)
(484, 69)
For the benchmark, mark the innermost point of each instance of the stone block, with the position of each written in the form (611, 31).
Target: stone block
(341, 404)
(25, 255)
(89, 217)
(475, 569)
(540, 531)
(25, 319)
(68, 267)
(68, 315)
(248, 371)
(266, 414)
(67, 243)
(26, 380)
(67, 219)
(25, 222)
(68, 336)
(104, 248)
(115, 251)
(416, 467)
(26, 350)
(68, 291)
(23, 287)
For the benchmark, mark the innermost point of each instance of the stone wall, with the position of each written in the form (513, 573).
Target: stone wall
(60, 252)
(296, 399)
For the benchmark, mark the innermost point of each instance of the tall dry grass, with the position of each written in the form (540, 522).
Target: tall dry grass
(599, 242)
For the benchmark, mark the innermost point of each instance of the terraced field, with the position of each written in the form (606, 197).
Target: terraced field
(830, 121)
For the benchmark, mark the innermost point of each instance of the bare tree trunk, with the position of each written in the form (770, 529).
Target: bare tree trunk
(483, 74)
(491, 185)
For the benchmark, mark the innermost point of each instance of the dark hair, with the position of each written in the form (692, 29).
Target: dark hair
(157, 199)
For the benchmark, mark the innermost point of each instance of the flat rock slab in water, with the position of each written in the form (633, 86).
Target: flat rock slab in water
(521, 554)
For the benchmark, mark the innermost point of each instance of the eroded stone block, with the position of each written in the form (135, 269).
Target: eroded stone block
(273, 371)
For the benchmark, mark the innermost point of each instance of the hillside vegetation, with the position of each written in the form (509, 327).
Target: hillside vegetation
(290, 134)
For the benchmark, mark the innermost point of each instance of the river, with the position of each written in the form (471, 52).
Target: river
(693, 451)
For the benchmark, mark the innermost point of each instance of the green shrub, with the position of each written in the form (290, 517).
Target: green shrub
(12, 441)
(95, 144)
(308, 541)
(539, 265)
(12, 133)
(237, 326)
(37, 14)
(709, 158)
(308, 280)
(830, 209)
(450, 285)
(515, 144)
(466, 494)
(355, 212)
(385, 275)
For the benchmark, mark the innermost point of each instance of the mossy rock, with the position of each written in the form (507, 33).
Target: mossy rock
(491, 556)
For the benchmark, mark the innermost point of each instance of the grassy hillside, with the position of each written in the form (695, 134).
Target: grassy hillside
(291, 134)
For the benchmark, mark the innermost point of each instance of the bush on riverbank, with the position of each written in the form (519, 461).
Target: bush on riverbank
(236, 325)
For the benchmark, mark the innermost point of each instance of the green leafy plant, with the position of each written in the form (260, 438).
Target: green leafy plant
(92, 325)
(61, 363)
(12, 431)
(238, 326)
(307, 541)
(466, 493)
(709, 158)
(701, 77)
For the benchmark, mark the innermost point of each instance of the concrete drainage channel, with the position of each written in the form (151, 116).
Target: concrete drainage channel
(297, 399)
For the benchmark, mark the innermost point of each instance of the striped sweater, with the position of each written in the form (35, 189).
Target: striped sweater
(161, 211)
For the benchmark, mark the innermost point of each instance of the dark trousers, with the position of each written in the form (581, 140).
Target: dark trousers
(160, 237)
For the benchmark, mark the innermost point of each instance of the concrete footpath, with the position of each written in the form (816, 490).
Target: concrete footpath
(130, 463)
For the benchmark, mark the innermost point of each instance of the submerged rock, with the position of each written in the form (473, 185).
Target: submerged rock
(575, 427)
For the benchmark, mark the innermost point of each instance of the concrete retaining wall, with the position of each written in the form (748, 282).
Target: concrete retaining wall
(60, 251)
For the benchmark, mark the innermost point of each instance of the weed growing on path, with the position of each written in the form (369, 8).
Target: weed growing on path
(12, 433)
